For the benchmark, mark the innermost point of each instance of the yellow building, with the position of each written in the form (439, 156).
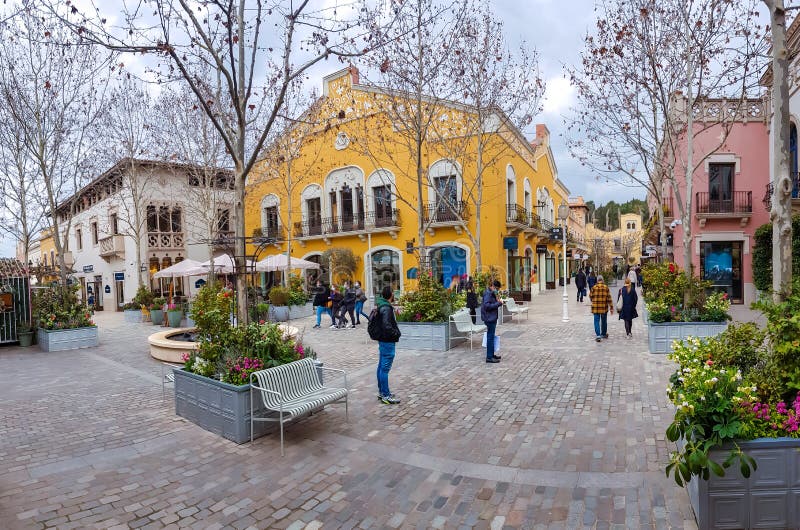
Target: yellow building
(47, 270)
(350, 181)
(620, 247)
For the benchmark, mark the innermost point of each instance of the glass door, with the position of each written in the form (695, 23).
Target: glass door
(721, 264)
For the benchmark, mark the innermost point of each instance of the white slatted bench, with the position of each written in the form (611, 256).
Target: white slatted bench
(463, 322)
(292, 390)
(511, 305)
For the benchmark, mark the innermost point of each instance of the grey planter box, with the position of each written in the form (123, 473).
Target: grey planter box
(133, 315)
(661, 335)
(301, 311)
(433, 336)
(217, 407)
(770, 498)
(67, 339)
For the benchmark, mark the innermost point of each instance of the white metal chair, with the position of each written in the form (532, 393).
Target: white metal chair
(463, 323)
(514, 308)
(167, 377)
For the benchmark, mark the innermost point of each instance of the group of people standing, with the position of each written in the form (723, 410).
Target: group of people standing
(348, 300)
(602, 301)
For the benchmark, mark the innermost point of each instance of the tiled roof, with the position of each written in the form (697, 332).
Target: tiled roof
(12, 268)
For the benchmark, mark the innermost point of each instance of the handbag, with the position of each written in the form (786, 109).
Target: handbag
(619, 301)
(496, 342)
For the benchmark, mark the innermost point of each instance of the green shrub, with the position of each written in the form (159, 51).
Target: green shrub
(297, 293)
(762, 254)
(143, 297)
(431, 302)
(58, 307)
(279, 296)
(211, 312)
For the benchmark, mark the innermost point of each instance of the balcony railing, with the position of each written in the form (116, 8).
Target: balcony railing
(516, 214)
(740, 202)
(442, 212)
(165, 240)
(667, 208)
(769, 188)
(112, 246)
(269, 232)
(223, 240)
(343, 224)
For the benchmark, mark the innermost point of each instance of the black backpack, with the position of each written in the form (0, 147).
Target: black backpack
(374, 326)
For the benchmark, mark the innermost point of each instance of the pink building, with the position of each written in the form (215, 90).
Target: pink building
(732, 172)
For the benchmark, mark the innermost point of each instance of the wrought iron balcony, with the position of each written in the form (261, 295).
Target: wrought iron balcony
(442, 212)
(795, 193)
(342, 225)
(667, 208)
(165, 240)
(269, 232)
(739, 206)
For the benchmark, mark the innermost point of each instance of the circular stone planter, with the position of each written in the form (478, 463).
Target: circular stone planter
(171, 351)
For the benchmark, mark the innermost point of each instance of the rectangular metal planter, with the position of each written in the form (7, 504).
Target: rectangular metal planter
(67, 339)
(769, 498)
(661, 335)
(133, 315)
(217, 407)
(301, 311)
(433, 336)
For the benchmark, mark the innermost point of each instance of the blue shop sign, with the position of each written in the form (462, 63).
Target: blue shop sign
(510, 243)
(88, 268)
(119, 276)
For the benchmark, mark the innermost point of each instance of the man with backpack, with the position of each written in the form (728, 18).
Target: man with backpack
(383, 328)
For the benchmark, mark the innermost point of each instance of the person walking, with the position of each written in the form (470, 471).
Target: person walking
(472, 300)
(628, 311)
(580, 284)
(600, 297)
(336, 308)
(321, 297)
(489, 309)
(361, 297)
(349, 306)
(384, 329)
(631, 275)
(591, 281)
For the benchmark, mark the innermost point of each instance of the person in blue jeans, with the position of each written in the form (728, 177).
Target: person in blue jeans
(489, 309)
(600, 297)
(361, 297)
(387, 336)
(321, 296)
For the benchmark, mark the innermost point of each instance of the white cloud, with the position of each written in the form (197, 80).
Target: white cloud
(558, 95)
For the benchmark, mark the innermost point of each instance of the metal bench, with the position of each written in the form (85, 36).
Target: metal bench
(511, 305)
(292, 390)
(464, 325)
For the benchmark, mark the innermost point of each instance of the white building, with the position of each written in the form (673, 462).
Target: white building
(172, 210)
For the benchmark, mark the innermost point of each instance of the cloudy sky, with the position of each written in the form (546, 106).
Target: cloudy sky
(556, 29)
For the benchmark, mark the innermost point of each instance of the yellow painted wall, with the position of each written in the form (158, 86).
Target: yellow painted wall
(372, 143)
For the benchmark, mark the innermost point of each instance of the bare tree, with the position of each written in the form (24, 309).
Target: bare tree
(21, 214)
(413, 71)
(130, 139)
(643, 74)
(502, 91)
(53, 95)
(252, 44)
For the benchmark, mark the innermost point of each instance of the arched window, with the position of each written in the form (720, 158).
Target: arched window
(270, 216)
(385, 266)
(380, 197)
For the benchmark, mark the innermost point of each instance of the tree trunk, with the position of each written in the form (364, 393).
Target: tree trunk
(781, 213)
(479, 177)
(289, 219)
(418, 139)
(686, 213)
(240, 247)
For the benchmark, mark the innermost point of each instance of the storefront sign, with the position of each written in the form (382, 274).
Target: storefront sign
(541, 249)
(88, 268)
(107, 289)
(569, 253)
(199, 283)
(510, 243)
(119, 276)
(555, 233)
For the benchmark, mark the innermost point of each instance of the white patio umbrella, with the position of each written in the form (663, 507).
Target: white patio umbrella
(223, 264)
(278, 262)
(182, 268)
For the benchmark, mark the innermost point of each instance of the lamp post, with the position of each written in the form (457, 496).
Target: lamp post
(563, 213)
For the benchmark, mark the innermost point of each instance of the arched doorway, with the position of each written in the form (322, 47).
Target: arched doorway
(312, 275)
(448, 261)
(385, 267)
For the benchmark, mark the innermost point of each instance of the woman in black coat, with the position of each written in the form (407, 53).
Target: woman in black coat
(472, 300)
(628, 311)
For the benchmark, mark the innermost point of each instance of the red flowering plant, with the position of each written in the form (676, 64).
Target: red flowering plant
(672, 296)
(60, 308)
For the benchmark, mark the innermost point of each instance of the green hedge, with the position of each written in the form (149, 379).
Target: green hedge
(762, 254)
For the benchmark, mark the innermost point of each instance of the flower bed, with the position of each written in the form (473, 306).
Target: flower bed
(67, 339)
(63, 322)
(737, 415)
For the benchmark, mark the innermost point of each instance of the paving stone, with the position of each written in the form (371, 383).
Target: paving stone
(469, 444)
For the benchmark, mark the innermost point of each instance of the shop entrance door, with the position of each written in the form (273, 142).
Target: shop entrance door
(519, 274)
(119, 290)
(721, 263)
(97, 289)
(550, 276)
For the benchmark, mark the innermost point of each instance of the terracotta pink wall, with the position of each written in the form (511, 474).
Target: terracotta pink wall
(749, 143)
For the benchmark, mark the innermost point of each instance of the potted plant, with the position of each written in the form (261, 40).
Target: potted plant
(212, 390)
(132, 312)
(157, 310)
(62, 321)
(299, 305)
(174, 314)
(25, 331)
(679, 306)
(6, 297)
(424, 320)
(278, 299)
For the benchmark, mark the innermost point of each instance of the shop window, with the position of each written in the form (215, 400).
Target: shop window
(79, 238)
(385, 268)
(94, 233)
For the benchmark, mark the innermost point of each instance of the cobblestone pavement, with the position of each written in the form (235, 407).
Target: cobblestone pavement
(563, 433)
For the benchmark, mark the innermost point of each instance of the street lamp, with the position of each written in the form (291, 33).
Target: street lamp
(563, 213)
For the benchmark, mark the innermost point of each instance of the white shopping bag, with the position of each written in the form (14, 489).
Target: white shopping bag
(496, 342)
